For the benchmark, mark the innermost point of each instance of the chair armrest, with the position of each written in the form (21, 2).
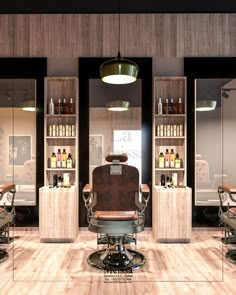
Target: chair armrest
(144, 188)
(87, 188)
(145, 195)
(229, 189)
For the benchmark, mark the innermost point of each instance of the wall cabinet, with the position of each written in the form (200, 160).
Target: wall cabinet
(58, 203)
(170, 196)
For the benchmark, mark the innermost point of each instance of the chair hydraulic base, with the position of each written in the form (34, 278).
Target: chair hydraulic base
(231, 255)
(3, 255)
(116, 257)
(229, 236)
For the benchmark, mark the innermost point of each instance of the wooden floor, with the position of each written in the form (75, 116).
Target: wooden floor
(54, 268)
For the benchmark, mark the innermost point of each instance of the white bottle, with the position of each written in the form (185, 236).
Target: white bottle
(51, 107)
(159, 107)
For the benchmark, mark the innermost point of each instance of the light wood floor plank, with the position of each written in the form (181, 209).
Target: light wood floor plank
(61, 268)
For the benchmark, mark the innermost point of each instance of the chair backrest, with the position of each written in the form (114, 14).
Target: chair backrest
(115, 186)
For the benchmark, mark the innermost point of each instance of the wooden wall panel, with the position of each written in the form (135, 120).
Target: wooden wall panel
(6, 35)
(229, 35)
(157, 35)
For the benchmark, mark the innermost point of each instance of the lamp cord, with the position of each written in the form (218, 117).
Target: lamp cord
(119, 56)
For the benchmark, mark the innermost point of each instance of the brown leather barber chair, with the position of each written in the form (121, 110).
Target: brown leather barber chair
(115, 205)
(227, 216)
(7, 214)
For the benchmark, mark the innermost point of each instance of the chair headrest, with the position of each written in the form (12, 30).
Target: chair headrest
(120, 157)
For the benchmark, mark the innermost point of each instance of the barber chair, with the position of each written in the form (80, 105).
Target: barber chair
(7, 215)
(227, 216)
(115, 210)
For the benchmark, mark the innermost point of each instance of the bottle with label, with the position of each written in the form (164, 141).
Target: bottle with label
(163, 180)
(177, 161)
(174, 179)
(165, 107)
(60, 104)
(71, 107)
(168, 181)
(159, 107)
(174, 107)
(65, 106)
(53, 161)
(180, 106)
(64, 157)
(69, 162)
(59, 182)
(161, 161)
(51, 107)
(172, 158)
(57, 107)
(170, 106)
(59, 158)
(167, 159)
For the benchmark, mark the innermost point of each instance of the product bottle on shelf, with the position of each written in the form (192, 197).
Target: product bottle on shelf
(177, 161)
(167, 159)
(69, 161)
(161, 161)
(165, 107)
(163, 180)
(174, 107)
(172, 158)
(174, 179)
(57, 107)
(64, 157)
(71, 109)
(53, 161)
(159, 107)
(59, 158)
(60, 104)
(51, 107)
(180, 106)
(170, 106)
(65, 106)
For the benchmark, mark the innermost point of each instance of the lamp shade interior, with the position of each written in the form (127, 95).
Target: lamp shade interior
(205, 105)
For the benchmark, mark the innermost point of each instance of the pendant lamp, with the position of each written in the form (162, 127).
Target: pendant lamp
(205, 105)
(119, 70)
(28, 105)
(117, 105)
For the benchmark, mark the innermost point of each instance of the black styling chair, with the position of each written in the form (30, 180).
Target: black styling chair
(115, 209)
(7, 215)
(227, 216)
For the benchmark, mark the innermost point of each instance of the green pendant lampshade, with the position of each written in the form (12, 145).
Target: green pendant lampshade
(118, 105)
(205, 105)
(119, 71)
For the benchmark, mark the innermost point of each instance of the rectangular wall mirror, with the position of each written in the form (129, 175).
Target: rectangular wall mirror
(215, 140)
(18, 138)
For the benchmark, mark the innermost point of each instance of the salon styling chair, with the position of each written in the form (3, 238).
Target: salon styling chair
(227, 216)
(7, 215)
(115, 210)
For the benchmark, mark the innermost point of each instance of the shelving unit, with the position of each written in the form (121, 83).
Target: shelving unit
(170, 132)
(58, 206)
(60, 88)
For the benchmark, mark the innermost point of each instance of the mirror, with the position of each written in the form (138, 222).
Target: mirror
(214, 139)
(18, 139)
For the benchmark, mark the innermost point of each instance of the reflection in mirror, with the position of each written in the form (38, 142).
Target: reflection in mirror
(18, 139)
(114, 132)
(215, 141)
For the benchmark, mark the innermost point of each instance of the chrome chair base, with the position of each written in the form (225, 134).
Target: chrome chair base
(116, 257)
(231, 255)
(3, 255)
